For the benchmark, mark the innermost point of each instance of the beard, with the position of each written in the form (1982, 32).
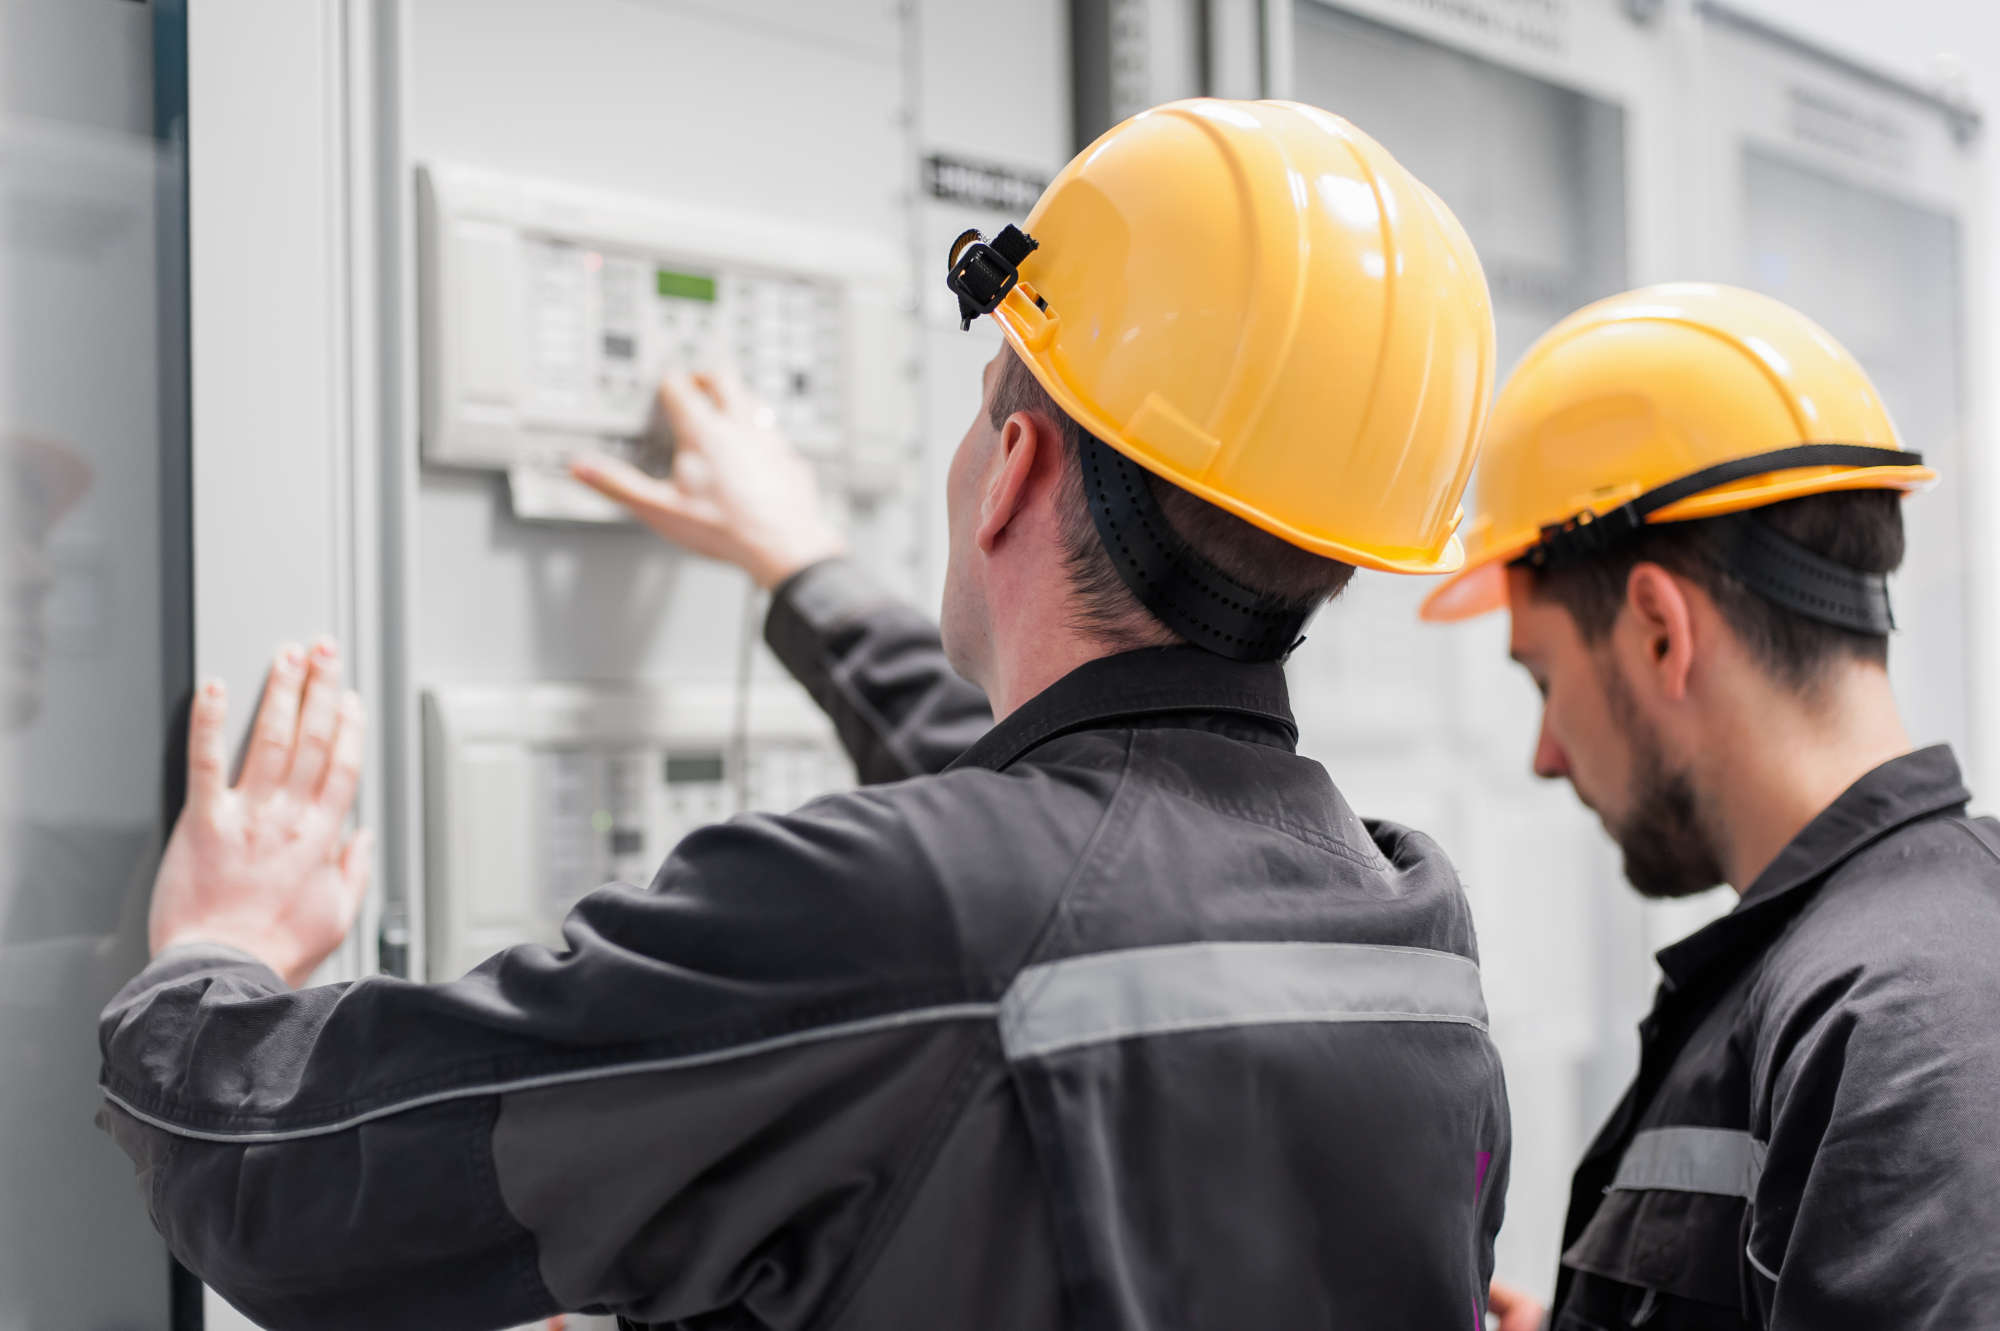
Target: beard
(1666, 843)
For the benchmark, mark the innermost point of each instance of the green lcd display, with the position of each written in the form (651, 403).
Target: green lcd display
(686, 286)
(684, 768)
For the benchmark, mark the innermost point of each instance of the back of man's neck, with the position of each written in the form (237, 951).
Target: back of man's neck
(1787, 765)
(1029, 662)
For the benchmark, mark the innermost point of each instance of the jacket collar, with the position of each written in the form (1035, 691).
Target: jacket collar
(1202, 690)
(1900, 791)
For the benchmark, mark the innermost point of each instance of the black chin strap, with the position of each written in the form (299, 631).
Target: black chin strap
(1765, 560)
(1188, 594)
(1785, 573)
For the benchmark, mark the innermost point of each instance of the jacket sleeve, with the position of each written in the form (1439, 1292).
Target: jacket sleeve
(706, 1100)
(1879, 1196)
(877, 668)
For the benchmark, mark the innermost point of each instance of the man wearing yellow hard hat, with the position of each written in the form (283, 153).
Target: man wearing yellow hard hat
(1689, 501)
(1097, 1006)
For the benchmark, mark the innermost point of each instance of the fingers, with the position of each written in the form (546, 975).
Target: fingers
(270, 755)
(618, 479)
(208, 751)
(319, 722)
(1514, 1309)
(726, 391)
(343, 773)
(689, 409)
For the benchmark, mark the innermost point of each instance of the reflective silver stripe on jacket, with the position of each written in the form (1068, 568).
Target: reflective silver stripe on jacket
(1711, 1160)
(1060, 1005)
(1203, 986)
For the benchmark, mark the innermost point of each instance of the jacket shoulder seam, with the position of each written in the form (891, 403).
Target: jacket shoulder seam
(1298, 832)
(1964, 825)
(878, 725)
(1112, 806)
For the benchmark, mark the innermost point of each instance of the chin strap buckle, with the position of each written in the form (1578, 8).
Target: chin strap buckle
(983, 271)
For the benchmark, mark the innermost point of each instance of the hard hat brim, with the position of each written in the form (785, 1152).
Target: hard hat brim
(1481, 586)
(1473, 591)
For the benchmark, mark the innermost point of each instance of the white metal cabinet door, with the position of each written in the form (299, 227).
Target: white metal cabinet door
(276, 473)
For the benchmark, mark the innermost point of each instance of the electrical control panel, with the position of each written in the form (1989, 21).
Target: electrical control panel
(536, 794)
(549, 314)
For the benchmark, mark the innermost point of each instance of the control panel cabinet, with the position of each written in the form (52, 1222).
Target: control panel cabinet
(549, 314)
(537, 794)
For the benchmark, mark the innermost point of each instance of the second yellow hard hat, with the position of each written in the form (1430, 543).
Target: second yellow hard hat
(1684, 400)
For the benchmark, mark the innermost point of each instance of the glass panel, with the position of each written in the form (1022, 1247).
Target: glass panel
(1883, 276)
(1430, 725)
(93, 550)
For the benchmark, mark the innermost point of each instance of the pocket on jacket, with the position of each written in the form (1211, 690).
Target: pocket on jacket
(1683, 1246)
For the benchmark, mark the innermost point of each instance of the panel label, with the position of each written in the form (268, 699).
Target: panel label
(1537, 25)
(1004, 189)
(1847, 126)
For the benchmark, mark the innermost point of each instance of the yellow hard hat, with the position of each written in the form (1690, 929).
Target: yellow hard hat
(1672, 402)
(1254, 301)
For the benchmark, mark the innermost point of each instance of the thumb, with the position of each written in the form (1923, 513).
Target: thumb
(357, 865)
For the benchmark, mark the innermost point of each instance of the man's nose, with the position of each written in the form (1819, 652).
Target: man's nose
(1550, 761)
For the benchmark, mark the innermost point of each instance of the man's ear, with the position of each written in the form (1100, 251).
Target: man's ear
(1662, 622)
(1025, 440)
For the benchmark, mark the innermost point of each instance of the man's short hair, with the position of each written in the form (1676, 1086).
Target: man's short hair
(1862, 529)
(1104, 606)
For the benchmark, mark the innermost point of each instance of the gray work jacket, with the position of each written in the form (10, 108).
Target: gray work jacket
(1813, 1138)
(1113, 1015)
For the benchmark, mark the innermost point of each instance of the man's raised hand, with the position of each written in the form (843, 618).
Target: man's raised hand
(266, 865)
